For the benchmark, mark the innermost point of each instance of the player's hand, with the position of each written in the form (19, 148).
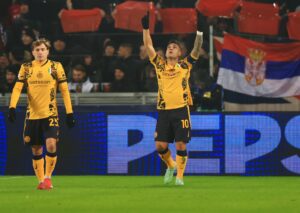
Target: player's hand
(12, 115)
(70, 121)
(145, 21)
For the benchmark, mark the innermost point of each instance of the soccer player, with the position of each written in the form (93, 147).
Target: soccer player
(42, 77)
(173, 101)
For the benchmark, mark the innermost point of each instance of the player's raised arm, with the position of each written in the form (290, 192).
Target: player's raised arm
(197, 43)
(147, 38)
(16, 95)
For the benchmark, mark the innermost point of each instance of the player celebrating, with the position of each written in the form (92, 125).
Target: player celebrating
(41, 77)
(173, 101)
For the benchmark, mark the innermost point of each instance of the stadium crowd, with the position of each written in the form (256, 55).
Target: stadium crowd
(110, 60)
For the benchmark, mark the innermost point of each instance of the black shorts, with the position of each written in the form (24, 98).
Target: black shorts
(173, 125)
(36, 131)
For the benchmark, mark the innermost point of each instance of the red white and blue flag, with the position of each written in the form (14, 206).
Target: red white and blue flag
(260, 69)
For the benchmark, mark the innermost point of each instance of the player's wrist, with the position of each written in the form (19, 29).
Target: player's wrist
(199, 33)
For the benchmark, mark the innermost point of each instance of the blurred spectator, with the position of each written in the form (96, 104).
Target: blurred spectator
(133, 72)
(10, 78)
(91, 68)
(80, 82)
(27, 37)
(160, 51)
(4, 62)
(207, 95)
(223, 25)
(151, 80)
(19, 56)
(121, 83)
(183, 48)
(24, 18)
(147, 80)
(109, 49)
(3, 38)
(59, 51)
(107, 61)
(143, 53)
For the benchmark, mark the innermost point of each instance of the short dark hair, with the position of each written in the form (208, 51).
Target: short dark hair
(121, 66)
(174, 41)
(79, 67)
(14, 68)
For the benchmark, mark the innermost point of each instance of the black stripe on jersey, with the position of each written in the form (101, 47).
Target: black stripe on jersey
(155, 58)
(191, 60)
(62, 81)
(22, 81)
(45, 63)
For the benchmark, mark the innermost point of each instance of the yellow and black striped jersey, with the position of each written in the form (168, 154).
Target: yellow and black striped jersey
(173, 82)
(41, 81)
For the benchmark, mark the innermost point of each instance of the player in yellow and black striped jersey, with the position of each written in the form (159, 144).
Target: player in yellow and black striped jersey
(174, 98)
(41, 77)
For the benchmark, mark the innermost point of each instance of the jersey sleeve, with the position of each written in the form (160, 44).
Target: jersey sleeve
(21, 75)
(156, 60)
(63, 87)
(190, 61)
(18, 88)
(61, 76)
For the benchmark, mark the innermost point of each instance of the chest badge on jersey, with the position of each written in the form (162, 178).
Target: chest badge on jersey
(40, 75)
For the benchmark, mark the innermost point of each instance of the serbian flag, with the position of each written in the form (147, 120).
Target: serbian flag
(218, 42)
(260, 69)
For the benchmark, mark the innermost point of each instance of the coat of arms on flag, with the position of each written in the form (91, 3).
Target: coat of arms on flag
(255, 67)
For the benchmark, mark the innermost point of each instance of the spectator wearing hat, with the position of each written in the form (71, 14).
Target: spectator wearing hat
(121, 82)
(107, 61)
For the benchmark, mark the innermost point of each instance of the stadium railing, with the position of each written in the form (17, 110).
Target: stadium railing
(95, 99)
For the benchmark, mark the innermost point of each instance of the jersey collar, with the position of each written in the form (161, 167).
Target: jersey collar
(41, 64)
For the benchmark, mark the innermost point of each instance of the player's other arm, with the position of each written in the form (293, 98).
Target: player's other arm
(147, 38)
(197, 43)
(16, 95)
(63, 87)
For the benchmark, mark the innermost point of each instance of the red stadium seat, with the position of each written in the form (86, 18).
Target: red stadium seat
(81, 20)
(293, 26)
(258, 18)
(129, 14)
(218, 7)
(179, 20)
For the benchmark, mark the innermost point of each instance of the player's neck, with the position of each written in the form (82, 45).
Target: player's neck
(172, 61)
(41, 61)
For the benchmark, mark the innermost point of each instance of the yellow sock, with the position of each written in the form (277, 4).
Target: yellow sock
(51, 159)
(167, 158)
(181, 164)
(38, 166)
